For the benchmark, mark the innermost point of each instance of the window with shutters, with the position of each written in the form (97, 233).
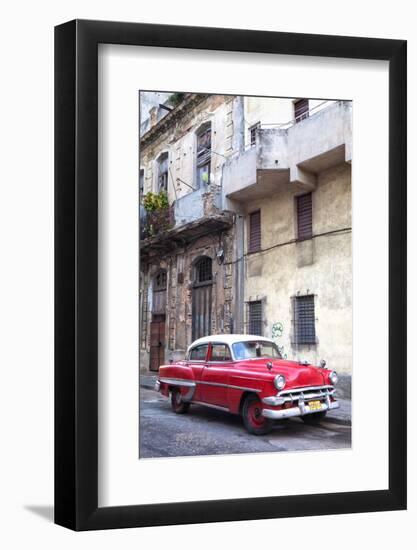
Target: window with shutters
(163, 173)
(304, 320)
(304, 217)
(254, 231)
(202, 302)
(203, 155)
(252, 133)
(255, 322)
(300, 109)
(141, 182)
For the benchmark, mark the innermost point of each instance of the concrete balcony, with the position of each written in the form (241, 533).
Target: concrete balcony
(193, 215)
(291, 154)
(197, 204)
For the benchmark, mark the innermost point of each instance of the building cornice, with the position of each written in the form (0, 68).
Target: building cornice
(181, 110)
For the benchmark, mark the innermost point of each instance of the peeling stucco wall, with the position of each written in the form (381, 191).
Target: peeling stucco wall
(180, 142)
(319, 266)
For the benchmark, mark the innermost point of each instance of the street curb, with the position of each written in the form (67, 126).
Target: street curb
(147, 381)
(146, 386)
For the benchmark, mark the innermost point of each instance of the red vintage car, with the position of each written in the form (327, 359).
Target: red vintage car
(246, 375)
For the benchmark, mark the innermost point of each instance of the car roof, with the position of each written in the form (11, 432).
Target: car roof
(228, 339)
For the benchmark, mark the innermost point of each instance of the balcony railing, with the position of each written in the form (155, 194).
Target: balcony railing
(157, 222)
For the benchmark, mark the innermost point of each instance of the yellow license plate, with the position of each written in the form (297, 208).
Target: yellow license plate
(315, 405)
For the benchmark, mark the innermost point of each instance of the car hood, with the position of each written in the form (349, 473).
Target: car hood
(296, 374)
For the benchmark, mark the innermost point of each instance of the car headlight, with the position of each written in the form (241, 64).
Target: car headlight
(333, 377)
(279, 382)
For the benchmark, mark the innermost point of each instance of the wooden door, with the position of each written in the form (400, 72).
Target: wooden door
(201, 311)
(157, 355)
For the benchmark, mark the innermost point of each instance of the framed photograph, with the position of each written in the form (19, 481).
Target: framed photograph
(230, 285)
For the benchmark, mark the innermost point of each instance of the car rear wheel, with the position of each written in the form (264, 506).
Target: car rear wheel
(177, 404)
(253, 420)
(315, 418)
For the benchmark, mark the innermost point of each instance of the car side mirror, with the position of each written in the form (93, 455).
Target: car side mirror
(323, 364)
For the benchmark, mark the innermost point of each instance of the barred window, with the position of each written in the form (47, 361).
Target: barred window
(160, 280)
(203, 270)
(255, 317)
(304, 320)
(255, 231)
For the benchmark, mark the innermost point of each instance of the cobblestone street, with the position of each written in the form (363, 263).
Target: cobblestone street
(204, 431)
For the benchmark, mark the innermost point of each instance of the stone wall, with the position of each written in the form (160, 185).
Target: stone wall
(180, 278)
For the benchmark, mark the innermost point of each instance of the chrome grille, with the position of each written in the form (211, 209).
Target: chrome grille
(307, 393)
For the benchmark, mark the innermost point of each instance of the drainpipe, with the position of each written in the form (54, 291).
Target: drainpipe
(239, 275)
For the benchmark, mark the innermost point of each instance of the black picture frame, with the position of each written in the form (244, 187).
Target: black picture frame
(76, 272)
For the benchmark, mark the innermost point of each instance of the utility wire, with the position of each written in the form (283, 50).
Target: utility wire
(292, 241)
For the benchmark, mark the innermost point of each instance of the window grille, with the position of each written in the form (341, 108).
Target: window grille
(305, 322)
(204, 270)
(160, 281)
(255, 318)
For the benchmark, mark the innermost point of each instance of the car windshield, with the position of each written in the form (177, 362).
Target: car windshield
(255, 349)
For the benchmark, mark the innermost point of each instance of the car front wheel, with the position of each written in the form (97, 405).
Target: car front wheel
(253, 420)
(177, 404)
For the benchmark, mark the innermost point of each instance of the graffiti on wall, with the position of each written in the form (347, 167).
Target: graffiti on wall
(277, 331)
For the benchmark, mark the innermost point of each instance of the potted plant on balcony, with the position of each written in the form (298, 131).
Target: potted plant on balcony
(159, 213)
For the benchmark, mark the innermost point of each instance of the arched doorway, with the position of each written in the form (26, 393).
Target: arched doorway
(202, 297)
(157, 336)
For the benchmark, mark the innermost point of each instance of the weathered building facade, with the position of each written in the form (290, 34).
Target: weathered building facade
(186, 268)
(260, 236)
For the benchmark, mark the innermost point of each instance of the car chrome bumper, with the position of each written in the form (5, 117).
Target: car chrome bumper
(157, 386)
(301, 410)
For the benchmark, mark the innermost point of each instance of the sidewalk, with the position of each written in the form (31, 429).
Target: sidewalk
(147, 381)
(343, 415)
(337, 416)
